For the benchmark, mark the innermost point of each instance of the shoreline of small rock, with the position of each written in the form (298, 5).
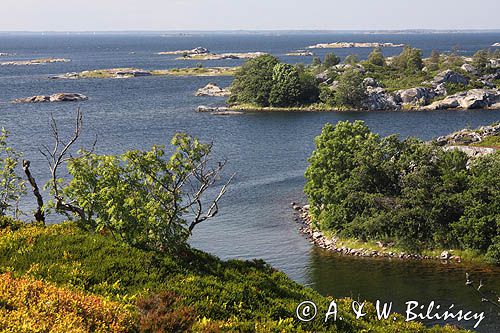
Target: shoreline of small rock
(318, 239)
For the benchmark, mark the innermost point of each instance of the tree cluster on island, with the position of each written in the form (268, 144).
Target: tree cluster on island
(414, 195)
(331, 84)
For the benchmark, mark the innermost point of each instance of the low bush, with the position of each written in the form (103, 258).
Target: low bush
(28, 305)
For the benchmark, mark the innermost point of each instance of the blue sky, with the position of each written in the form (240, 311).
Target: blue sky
(119, 15)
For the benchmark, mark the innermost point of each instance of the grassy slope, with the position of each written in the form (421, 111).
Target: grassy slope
(249, 296)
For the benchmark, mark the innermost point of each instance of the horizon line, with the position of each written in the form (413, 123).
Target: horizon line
(255, 30)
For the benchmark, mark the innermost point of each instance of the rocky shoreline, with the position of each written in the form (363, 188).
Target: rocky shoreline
(319, 239)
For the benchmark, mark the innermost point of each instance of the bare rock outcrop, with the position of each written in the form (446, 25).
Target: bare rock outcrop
(212, 89)
(472, 99)
(415, 96)
(59, 97)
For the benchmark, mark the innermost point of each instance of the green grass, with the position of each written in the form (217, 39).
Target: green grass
(490, 141)
(237, 295)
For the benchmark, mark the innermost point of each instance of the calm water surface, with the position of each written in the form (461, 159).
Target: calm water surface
(267, 151)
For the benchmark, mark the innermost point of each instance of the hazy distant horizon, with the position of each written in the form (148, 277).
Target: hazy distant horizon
(257, 31)
(223, 15)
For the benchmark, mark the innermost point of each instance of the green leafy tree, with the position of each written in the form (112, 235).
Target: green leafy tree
(12, 186)
(327, 95)
(286, 86)
(350, 91)
(479, 227)
(410, 60)
(331, 59)
(144, 198)
(253, 81)
(351, 59)
(481, 61)
(309, 89)
(316, 62)
(434, 61)
(376, 57)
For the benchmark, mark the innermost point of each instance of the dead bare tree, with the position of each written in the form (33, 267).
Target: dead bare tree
(58, 156)
(205, 178)
(40, 212)
(193, 185)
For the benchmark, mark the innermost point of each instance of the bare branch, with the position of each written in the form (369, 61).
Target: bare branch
(39, 214)
(214, 207)
(57, 156)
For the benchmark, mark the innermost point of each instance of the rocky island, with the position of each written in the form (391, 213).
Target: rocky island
(301, 53)
(406, 82)
(59, 97)
(34, 62)
(197, 50)
(388, 218)
(348, 45)
(214, 90)
(221, 56)
(125, 73)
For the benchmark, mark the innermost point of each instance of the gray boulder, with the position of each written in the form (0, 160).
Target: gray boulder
(377, 100)
(322, 77)
(449, 76)
(468, 68)
(472, 99)
(415, 96)
(370, 82)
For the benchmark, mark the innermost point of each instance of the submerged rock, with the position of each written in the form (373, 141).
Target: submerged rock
(59, 97)
(212, 89)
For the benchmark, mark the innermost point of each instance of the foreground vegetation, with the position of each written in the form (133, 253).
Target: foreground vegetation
(408, 193)
(124, 264)
(146, 291)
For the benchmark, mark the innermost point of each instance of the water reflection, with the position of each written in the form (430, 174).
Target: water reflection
(399, 281)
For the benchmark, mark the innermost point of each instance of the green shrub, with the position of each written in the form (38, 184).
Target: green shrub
(11, 184)
(142, 197)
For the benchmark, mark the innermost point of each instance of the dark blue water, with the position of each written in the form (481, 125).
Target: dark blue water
(267, 151)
